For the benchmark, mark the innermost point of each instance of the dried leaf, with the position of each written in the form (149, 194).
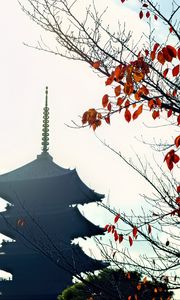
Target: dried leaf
(149, 229)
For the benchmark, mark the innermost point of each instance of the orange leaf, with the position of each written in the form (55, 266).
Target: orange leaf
(129, 298)
(158, 102)
(149, 228)
(155, 114)
(128, 275)
(177, 141)
(135, 230)
(96, 64)
(144, 280)
(130, 241)
(155, 290)
(151, 104)
(116, 218)
(110, 79)
(127, 115)
(117, 90)
(84, 117)
(128, 88)
(137, 112)
(160, 57)
(153, 54)
(105, 100)
(138, 76)
(138, 286)
(175, 70)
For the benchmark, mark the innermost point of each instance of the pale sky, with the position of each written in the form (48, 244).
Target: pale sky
(73, 88)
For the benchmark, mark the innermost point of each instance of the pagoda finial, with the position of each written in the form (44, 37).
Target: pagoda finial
(45, 129)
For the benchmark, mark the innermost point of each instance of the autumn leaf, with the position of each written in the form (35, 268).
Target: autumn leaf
(155, 114)
(120, 101)
(96, 64)
(138, 76)
(141, 14)
(106, 227)
(138, 286)
(178, 200)
(135, 230)
(156, 45)
(160, 57)
(172, 51)
(178, 120)
(147, 14)
(116, 236)
(177, 141)
(149, 229)
(165, 72)
(169, 113)
(175, 70)
(120, 238)
(107, 119)
(105, 100)
(117, 90)
(109, 107)
(116, 218)
(130, 241)
(127, 115)
(153, 55)
(178, 53)
(178, 189)
(128, 88)
(155, 17)
(137, 112)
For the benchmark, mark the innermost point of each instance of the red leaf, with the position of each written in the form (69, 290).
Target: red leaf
(177, 141)
(109, 106)
(178, 120)
(175, 70)
(167, 54)
(137, 112)
(116, 218)
(106, 227)
(127, 115)
(165, 72)
(141, 14)
(122, 1)
(156, 45)
(120, 238)
(135, 230)
(178, 189)
(145, 5)
(120, 101)
(146, 52)
(149, 228)
(155, 114)
(130, 241)
(153, 54)
(175, 158)
(169, 113)
(109, 229)
(178, 53)
(155, 17)
(105, 100)
(107, 119)
(171, 50)
(96, 64)
(170, 29)
(178, 200)
(147, 14)
(116, 236)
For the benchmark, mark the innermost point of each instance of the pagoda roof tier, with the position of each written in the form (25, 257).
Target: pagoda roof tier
(60, 225)
(70, 258)
(48, 192)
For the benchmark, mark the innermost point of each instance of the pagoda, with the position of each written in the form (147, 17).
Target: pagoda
(42, 219)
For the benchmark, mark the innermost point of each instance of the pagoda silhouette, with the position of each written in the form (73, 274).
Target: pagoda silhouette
(42, 219)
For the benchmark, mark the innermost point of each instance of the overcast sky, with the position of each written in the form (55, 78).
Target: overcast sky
(73, 88)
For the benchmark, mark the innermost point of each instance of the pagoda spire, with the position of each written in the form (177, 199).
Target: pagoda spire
(45, 128)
